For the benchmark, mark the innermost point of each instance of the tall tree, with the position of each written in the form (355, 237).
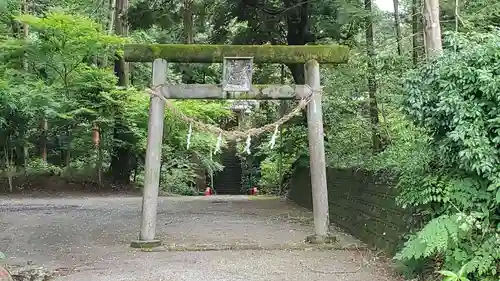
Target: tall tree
(397, 26)
(188, 21)
(372, 83)
(298, 31)
(25, 151)
(111, 15)
(121, 29)
(433, 44)
(25, 8)
(188, 34)
(416, 35)
(121, 157)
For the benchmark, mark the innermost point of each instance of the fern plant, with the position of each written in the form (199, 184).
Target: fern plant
(452, 276)
(455, 99)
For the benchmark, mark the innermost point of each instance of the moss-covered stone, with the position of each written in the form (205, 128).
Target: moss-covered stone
(194, 53)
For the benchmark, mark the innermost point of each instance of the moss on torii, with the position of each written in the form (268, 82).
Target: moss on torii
(196, 53)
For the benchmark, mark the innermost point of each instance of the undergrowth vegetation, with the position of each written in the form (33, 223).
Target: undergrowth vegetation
(456, 100)
(446, 155)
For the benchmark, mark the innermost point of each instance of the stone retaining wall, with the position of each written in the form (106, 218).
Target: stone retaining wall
(360, 202)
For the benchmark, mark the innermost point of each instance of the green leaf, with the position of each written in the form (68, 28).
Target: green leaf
(447, 273)
(498, 196)
(461, 272)
(493, 186)
(2, 256)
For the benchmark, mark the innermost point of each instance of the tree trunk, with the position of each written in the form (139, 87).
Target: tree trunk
(110, 25)
(297, 20)
(111, 15)
(188, 21)
(22, 149)
(121, 29)
(10, 167)
(67, 159)
(26, 156)
(189, 39)
(433, 44)
(415, 31)
(397, 27)
(372, 83)
(25, 150)
(15, 27)
(281, 112)
(120, 159)
(122, 150)
(96, 141)
(43, 145)
(25, 30)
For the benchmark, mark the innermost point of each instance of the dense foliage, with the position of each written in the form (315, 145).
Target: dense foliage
(63, 85)
(456, 100)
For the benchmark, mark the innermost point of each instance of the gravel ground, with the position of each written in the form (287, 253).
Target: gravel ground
(91, 235)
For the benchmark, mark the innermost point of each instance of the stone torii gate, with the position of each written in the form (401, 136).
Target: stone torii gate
(310, 56)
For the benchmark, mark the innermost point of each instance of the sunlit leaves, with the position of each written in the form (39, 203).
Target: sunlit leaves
(456, 99)
(62, 42)
(459, 102)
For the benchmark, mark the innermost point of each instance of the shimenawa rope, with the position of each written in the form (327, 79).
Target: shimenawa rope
(155, 91)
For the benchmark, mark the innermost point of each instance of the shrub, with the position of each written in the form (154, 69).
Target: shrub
(456, 99)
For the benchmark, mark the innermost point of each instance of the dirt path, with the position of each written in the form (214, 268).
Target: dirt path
(91, 236)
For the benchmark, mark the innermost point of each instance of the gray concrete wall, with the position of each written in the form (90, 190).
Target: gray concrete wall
(360, 202)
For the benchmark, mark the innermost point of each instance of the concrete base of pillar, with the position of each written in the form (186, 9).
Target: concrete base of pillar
(140, 244)
(321, 239)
